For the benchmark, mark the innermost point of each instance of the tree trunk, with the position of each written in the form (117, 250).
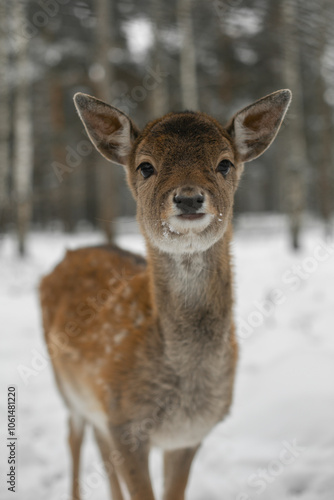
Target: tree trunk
(106, 174)
(4, 120)
(325, 161)
(159, 98)
(23, 139)
(296, 158)
(187, 57)
(65, 195)
(326, 133)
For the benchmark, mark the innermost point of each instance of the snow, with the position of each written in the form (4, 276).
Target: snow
(278, 441)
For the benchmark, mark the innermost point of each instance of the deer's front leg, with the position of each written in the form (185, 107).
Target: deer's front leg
(177, 465)
(134, 465)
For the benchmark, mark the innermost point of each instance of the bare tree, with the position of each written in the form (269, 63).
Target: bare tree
(187, 56)
(106, 174)
(4, 117)
(65, 192)
(159, 97)
(325, 193)
(23, 137)
(295, 158)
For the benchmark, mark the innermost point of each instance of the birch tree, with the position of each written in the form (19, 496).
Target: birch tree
(64, 194)
(159, 97)
(23, 138)
(188, 76)
(4, 117)
(295, 158)
(325, 189)
(106, 174)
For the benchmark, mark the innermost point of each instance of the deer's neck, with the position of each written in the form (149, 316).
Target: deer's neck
(192, 297)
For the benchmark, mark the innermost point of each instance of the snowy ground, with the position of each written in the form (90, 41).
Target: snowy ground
(278, 442)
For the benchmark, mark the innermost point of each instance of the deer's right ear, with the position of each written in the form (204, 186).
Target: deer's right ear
(110, 130)
(255, 127)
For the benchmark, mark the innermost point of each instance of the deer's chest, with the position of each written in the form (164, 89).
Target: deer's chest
(191, 410)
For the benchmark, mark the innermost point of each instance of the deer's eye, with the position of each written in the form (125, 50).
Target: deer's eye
(224, 167)
(146, 169)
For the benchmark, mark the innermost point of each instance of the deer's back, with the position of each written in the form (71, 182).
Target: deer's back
(87, 278)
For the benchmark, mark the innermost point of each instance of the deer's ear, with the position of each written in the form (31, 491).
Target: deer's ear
(110, 130)
(255, 127)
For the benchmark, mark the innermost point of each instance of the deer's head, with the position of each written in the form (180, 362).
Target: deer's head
(184, 168)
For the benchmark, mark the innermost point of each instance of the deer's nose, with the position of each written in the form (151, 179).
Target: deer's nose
(189, 204)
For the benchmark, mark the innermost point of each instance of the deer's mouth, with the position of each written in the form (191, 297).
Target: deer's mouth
(190, 223)
(194, 216)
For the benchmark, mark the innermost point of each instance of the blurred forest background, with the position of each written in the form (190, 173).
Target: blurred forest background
(148, 57)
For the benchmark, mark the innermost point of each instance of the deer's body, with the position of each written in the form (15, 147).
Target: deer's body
(105, 299)
(147, 351)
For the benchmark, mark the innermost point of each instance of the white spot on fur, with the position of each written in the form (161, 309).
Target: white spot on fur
(106, 328)
(118, 309)
(120, 336)
(133, 310)
(126, 292)
(139, 320)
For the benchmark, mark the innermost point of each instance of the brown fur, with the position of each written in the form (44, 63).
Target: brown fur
(146, 353)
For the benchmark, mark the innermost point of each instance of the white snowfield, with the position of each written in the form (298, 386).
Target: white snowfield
(277, 443)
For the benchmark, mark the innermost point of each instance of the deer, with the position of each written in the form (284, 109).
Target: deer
(144, 350)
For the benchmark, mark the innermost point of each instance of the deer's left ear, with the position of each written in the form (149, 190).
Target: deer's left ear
(110, 130)
(255, 127)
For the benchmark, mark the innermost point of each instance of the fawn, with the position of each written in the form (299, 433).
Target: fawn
(147, 349)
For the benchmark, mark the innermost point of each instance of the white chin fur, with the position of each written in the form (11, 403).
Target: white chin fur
(185, 236)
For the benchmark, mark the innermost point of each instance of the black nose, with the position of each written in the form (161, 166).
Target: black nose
(189, 204)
